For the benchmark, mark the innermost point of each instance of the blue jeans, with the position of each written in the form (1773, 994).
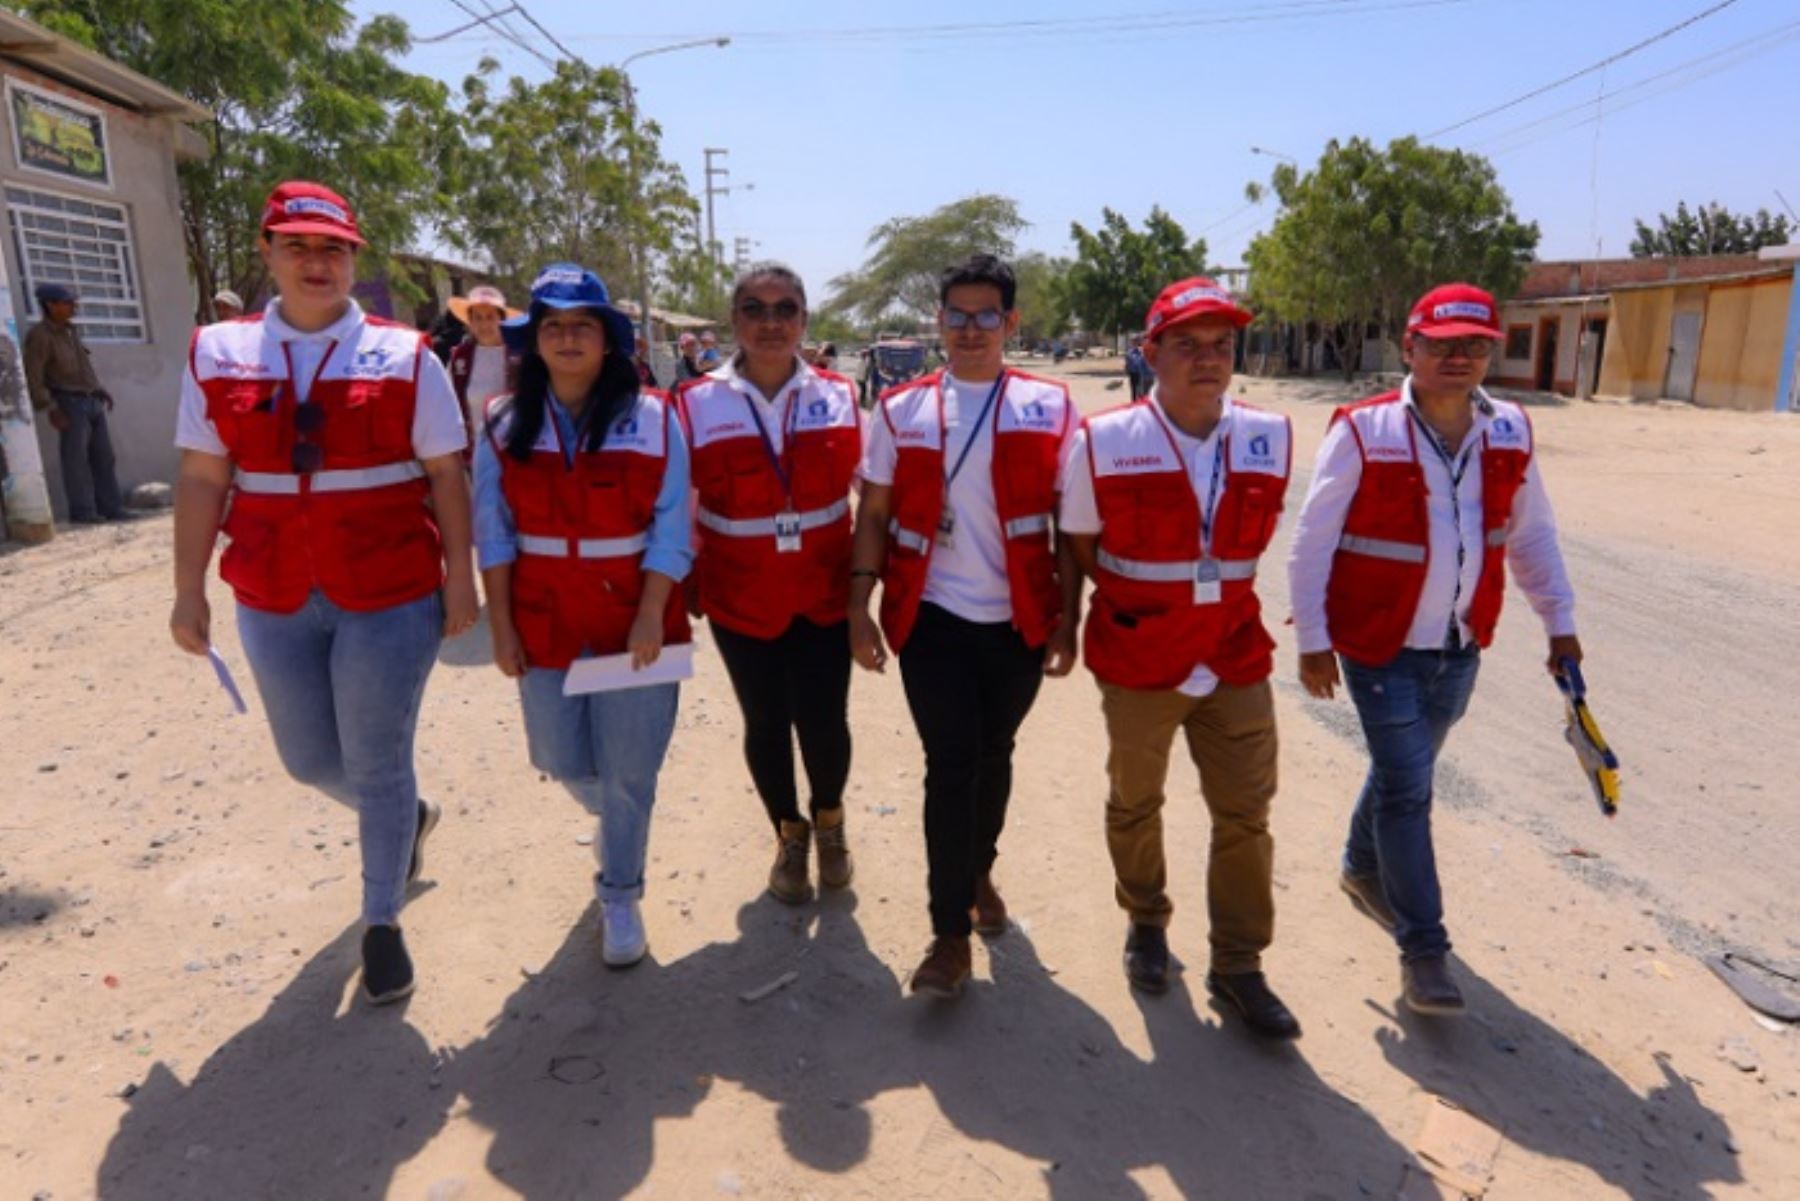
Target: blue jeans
(85, 448)
(1407, 708)
(342, 691)
(606, 748)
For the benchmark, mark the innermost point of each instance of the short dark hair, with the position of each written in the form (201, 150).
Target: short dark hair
(980, 269)
(757, 273)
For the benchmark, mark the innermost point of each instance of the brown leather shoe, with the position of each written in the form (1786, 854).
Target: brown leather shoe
(1365, 893)
(989, 911)
(1428, 988)
(788, 880)
(835, 865)
(945, 969)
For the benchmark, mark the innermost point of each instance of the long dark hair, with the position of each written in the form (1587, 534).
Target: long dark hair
(614, 392)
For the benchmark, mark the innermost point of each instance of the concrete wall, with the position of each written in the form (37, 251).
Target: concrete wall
(144, 379)
(1740, 345)
(1522, 373)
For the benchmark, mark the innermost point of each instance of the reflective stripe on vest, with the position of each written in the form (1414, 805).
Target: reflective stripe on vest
(757, 527)
(1382, 548)
(282, 483)
(585, 548)
(1179, 572)
(1020, 527)
(917, 543)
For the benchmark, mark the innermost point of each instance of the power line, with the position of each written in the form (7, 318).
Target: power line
(1654, 38)
(477, 23)
(539, 26)
(495, 22)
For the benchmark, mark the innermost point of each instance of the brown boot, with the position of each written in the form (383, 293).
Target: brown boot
(989, 911)
(835, 865)
(945, 969)
(788, 878)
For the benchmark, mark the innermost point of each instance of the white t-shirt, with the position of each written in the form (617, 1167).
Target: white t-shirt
(487, 377)
(1079, 513)
(968, 578)
(437, 418)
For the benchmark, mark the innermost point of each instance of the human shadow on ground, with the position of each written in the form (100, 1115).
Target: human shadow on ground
(304, 1102)
(24, 908)
(1027, 1065)
(582, 1063)
(1543, 1091)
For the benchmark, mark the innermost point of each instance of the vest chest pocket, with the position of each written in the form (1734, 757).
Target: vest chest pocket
(753, 486)
(1258, 510)
(823, 463)
(249, 421)
(1167, 516)
(377, 418)
(618, 496)
(1028, 472)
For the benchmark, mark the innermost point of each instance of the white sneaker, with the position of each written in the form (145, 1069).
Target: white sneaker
(622, 941)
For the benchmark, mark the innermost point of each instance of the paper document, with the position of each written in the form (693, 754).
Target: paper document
(612, 673)
(225, 680)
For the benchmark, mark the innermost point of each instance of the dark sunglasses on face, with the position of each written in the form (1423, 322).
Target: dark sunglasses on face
(987, 319)
(309, 421)
(782, 311)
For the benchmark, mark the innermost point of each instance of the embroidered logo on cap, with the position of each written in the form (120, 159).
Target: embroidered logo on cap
(1198, 293)
(1462, 308)
(300, 206)
(557, 275)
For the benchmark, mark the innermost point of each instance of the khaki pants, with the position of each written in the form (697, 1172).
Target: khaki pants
(1231, 737)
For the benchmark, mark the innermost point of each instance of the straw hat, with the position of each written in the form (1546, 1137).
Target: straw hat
(459, 306)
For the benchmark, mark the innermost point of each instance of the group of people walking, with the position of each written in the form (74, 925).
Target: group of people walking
(606, 517)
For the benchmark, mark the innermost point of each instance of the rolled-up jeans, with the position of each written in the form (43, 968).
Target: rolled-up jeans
(342, 690)
(607, 749)
(1407, 707)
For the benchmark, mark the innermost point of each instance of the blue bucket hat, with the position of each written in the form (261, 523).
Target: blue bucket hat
(569, 286)
(55, 294)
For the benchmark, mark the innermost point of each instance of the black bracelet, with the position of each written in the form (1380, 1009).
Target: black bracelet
(864, 571)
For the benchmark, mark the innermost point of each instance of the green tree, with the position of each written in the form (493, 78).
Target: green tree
(1367, 231)
(297, 90)
(1118, 271)
(1043, 302)
(898, 283)
(1710, 229)
(546, 173)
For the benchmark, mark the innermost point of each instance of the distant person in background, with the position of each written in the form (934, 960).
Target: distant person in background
(480, 365)
(228, 304)
(709, 351)
(60, 375)
(446, 333)
(1137, 369)
(687, 359)
(640, 359)
(827, 357)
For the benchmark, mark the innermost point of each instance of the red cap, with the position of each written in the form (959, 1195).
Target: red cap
(298, 207)
(1455, 311)
(1190, 298)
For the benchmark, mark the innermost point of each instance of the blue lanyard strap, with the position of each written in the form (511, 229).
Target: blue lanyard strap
(762, 431)
(1457, 469)
(975, 430)
(1211, 509)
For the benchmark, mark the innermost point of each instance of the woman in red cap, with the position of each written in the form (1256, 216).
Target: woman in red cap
(327, 447)
(1420, 500)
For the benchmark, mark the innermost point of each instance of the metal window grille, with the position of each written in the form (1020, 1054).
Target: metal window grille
(85, 244)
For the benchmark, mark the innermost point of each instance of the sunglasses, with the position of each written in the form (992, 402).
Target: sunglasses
(987, 319)
(782, 311)
(309, 423)
(1443, 348)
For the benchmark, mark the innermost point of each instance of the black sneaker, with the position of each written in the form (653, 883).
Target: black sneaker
(1262, 1010)
(429, 816)
(387, 968)
(1147, 958)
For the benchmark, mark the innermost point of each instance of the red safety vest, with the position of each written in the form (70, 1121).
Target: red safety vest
(1378, 572)
(1030, 420)
(582, 530)
(1164, 602)
(360, 528)
(747, 582)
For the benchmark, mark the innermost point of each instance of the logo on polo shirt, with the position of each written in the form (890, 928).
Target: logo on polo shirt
(371, 362)
(239, 367)
(301, 206)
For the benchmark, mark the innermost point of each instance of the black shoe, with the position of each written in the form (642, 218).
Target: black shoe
(1427, 987)
(429, 815)
(1147, 958)
(387, 968)
(1262, 1010)
(1365, 893)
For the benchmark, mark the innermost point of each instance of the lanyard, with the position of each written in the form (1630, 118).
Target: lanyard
(1209, 506)
(974, 431)
(787, 439)
(1453, 634)
(288, 354)
(1457, 468)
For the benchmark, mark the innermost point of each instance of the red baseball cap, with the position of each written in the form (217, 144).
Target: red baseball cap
(1187, 299)
(1455, 311)
(299, 207)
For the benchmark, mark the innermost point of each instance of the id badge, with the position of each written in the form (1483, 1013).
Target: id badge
(946, 531)
(1207, 589)
(787, 532)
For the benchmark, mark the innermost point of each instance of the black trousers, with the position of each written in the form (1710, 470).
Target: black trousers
(795, 684)
(969, 686)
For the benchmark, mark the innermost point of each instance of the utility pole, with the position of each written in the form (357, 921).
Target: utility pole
(740, 259)
(712, 189)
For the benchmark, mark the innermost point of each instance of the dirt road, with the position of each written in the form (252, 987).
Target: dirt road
(176, 953)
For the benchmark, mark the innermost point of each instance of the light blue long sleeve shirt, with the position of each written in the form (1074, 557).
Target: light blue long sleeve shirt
(670, 548)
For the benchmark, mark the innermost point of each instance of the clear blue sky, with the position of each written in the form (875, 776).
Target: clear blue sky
(1148, 104)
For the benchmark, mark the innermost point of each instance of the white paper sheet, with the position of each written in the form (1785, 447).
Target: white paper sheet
(612, 673)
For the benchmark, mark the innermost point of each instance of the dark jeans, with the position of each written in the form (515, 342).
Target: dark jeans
(89, 484)
(1407, 708)
(796, 684)
(969, 686)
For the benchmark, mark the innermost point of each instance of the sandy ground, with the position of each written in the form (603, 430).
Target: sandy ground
(177, 952)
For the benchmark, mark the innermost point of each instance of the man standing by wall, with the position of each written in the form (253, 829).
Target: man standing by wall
(60, 375)
(1420, 500)
(1167, 504)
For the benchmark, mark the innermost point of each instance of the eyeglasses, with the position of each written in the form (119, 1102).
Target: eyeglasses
(572, 331)
(1193, 348)
(309, 423)
(987, 319)
(782, 311)
(1443, 348)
